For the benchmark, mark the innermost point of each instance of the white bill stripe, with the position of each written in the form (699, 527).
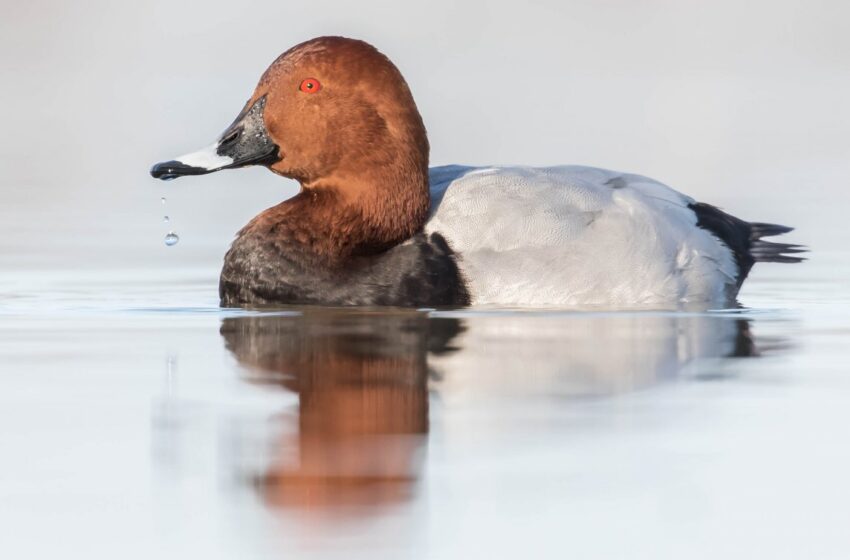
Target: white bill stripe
(206, 158)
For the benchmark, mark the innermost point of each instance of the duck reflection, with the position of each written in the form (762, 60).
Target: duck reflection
(363, 380)
(589, 354)
(362, 385)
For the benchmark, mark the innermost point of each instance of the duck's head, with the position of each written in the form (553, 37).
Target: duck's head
(328, 112)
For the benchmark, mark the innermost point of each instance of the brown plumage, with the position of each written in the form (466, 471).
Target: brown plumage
(358, 147)
(355, 142)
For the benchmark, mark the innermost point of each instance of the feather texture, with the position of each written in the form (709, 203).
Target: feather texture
(573, 235)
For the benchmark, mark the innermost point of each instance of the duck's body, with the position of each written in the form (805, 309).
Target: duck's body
(373, 225)
(567, 235)
(578, 236)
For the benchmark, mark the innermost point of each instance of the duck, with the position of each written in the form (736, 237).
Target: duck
(374, 225)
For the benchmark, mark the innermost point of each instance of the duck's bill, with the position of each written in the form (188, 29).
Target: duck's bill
(245, 142)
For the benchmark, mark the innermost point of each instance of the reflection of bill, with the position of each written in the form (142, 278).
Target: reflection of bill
(362, 384)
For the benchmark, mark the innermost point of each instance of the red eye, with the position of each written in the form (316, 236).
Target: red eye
(310, 85)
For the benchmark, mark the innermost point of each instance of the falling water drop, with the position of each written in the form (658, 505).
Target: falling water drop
(171, 239)
(166, 219)
(162, 199)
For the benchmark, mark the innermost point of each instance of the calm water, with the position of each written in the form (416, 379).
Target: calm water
(139, 421)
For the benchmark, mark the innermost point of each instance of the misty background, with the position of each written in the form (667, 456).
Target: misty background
(740, 104)
(130, 429)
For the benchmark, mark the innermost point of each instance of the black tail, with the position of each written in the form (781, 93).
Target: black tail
(744, 239)
(766, 251)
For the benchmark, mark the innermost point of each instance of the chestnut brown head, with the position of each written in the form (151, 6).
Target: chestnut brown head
(328, 112)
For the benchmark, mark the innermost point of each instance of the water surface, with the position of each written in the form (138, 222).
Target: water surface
(138, 420)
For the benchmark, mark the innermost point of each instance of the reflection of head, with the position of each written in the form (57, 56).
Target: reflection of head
(362, 385)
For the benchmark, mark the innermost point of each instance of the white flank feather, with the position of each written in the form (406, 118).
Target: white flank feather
(573, 235)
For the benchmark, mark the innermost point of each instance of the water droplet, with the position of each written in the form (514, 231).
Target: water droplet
(166, 219)
(162, 199)
(171, 239)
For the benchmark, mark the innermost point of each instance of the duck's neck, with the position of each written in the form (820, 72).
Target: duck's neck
(338, 217)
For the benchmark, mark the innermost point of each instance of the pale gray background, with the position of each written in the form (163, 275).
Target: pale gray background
(122, 433)
(741, 104)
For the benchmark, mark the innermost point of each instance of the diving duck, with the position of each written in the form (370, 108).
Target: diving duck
(373, 226)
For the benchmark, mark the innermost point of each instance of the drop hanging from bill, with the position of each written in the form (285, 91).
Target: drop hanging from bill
(171, 238)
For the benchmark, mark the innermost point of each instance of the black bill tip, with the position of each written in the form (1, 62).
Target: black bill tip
(168, 170)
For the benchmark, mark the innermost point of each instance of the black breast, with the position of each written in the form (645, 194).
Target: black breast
(421, 272)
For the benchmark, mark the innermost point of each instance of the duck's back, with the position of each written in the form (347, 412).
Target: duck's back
(577, 235)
